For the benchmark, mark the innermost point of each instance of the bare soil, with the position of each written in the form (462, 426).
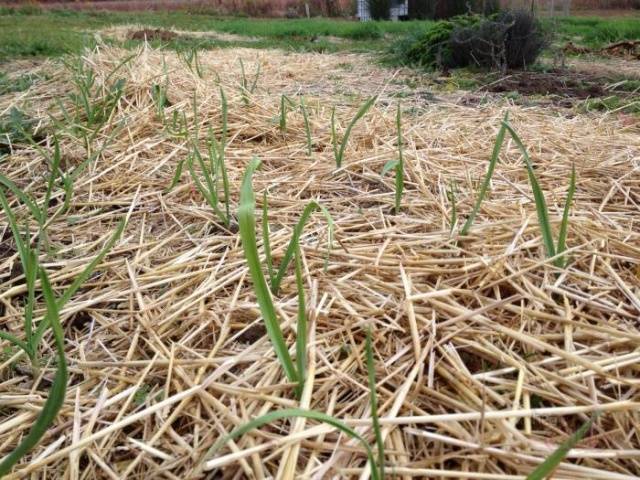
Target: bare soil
(558, 83)
(152, 34)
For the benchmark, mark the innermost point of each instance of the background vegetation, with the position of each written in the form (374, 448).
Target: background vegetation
(36, 33)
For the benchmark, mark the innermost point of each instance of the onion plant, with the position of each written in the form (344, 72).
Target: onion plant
(272, 417)
(454, 209)
(546, 468)
(487, 178)
(247, 88)
(159, 92)
(28, 256)
(93, 104)
(58, 389)
(338, 150)
(397, 165)
(247, 223)
(377, 467)
(34, 332)
(214, 171)
(246, 219)
(285, 104)
(190, 58)
(275, 278)
(373, 400)
(307, 127)
(551, 247)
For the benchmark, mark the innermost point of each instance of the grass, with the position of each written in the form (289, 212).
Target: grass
(595, 32)
(612, 103)
(54, 33)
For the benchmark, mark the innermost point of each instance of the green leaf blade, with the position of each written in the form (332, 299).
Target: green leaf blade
(247, 223)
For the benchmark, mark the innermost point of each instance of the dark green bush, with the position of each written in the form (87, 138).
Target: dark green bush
(430, 47)
(505, 40)
(511, 39)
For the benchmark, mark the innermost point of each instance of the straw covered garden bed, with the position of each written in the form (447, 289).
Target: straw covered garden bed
(487, 354)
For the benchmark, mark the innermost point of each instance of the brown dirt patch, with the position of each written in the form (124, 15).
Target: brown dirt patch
(152, 34)
(557, 83)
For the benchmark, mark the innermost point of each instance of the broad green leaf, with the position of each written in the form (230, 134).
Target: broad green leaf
(301, 331)
(265, 237)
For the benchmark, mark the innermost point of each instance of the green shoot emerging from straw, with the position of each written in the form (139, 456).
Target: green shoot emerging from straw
(214, 171)
(247, 223)
(28, 256)
(246, 219)
(373, 399)
(247, 88)
(541, 205)
(546, 468)
(307, 127)
(311, 207)
(301, 331)
(285, 102)
(397, 165)
(454, 208)
(190, 58)
(33, 334)
(58, 389)
(294, 413)
(338, 151)
(487, 178)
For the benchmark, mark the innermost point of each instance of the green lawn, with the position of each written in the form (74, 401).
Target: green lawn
(34, 33)
(597, 32)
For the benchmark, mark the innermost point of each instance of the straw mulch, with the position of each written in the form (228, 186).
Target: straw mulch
(487, 356)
